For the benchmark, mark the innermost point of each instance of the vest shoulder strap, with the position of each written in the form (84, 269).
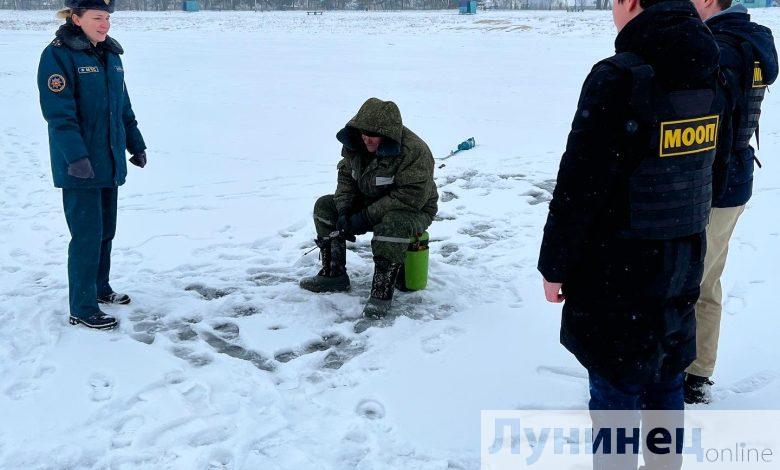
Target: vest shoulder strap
(745, 50)
(641, 74)
(625, 60)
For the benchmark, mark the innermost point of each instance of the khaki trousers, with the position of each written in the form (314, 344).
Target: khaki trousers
(709, 307)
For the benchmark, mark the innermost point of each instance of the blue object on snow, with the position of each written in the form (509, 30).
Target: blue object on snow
(467, 144)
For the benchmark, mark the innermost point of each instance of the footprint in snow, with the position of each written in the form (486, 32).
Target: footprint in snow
(197, 395)
(326, 342)
(21, 389)
(364, 324)
(447, 249)
(563, 372)
(265, 279)
(749, 384)
(736, 299)
(222, 346)
(183, 332)
(102, 387)
(210, 293)
(370, 409)
(343, 353)
(125, 431)
(537, 196)
(220, 459)
(448, 196)
(340, 350)
(353, 449)
(547, 185)
(435, 343)
(194, 358)
(244, 310)
(210, 436)
(443, 215)
(228, 331)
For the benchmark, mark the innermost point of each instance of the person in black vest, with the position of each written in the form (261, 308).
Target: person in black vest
(748, 59)
(624, 241)
(91, 125)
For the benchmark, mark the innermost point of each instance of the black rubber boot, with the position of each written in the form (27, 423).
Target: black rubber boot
(400, 280)
(698, 390)
(96, 321)
(333, 275)
(385, 275)
(114, 298)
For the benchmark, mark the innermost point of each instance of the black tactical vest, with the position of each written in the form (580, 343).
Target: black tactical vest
(670, 150)
(753, 89)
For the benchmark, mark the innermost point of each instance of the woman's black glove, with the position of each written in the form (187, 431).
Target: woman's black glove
(81, 169)
(139, 159)
(358, 224)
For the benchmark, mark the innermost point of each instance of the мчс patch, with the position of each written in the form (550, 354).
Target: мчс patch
(56, 83)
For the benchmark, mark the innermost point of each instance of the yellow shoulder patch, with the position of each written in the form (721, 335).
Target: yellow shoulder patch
(758, 76)
(689, 136)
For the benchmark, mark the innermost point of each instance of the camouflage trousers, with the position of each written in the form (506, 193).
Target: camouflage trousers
(391, 234)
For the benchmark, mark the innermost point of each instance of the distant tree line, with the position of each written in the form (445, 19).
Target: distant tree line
(573, 5)
(268, 5)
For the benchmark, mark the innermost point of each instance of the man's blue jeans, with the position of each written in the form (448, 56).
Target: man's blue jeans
(615, 405)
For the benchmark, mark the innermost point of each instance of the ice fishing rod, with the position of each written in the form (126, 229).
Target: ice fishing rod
(333, 234)
(467, 144)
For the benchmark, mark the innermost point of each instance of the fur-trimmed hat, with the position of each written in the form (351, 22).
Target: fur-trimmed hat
(105, 5)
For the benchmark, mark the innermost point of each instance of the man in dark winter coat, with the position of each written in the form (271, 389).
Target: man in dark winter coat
(748, 59)
(624, 239)
(385, 185)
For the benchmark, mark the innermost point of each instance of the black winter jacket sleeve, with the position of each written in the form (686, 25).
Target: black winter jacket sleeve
(732, 88)
(587, 172)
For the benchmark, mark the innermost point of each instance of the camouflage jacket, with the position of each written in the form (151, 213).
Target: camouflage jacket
(399, 177)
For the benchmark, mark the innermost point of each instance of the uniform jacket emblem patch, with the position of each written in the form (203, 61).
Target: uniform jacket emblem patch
(56, 83)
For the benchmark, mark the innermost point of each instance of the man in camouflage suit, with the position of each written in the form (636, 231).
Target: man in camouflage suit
(386, 186)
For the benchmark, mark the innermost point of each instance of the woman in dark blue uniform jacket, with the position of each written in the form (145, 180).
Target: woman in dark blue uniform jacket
(91, 125)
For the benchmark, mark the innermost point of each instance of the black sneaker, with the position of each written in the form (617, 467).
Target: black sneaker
(96, 321)
(114, 298)
(698, 390)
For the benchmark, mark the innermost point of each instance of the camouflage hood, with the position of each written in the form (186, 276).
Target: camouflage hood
(377, 117)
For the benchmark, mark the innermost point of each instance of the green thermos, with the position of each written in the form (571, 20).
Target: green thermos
(416, 265)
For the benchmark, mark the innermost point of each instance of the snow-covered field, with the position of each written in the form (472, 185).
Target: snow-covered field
(221, 360)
